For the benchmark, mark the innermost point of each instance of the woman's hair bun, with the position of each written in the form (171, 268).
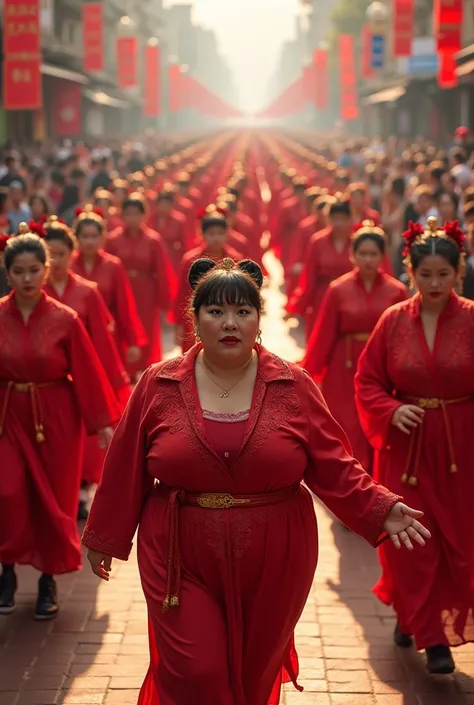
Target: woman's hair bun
(198, 269)
(253, 270)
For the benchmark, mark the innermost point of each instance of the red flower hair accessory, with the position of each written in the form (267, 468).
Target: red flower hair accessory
(4, 241)
(454, 232)
(90, 212)
(37, 227)
(415, 231)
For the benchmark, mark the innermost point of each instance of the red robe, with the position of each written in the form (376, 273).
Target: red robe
(151, 277)
(292, 212)
(347, 316)
(180, 308)
(110, 276)
(84, 297)
(38, 493)
(309, 226)
(173, 231)
(432, 590)
(245, 572)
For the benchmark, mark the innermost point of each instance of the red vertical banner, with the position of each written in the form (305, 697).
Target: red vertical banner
(174, 81)
(152, 102)
(67, 109)
(366, 56)
(348, 78)
(448, 16)
(22, 83)
(93, 36)
(127, 62)
(447, 77)
(403, 27)
(321, 87)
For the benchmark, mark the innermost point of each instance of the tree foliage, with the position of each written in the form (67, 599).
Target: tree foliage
(348, 16)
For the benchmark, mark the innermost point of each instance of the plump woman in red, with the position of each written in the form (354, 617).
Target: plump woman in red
(51, 384)
(144, 257)
(349, 312)
(91, 262)
(415, 393)
(228, 538)
(215, 232)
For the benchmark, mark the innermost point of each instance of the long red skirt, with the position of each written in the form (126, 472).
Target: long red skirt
(432, 591)
(40, 482)
(246, 575)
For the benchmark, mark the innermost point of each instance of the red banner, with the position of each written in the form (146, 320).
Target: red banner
(22, 84)
(127, 62)
(403, 27)
(447, 77)
(366, 62)
(152, 102)
(448, 16)
(67, 109)
(93, 36)
(321, 96)
(174, 80)
(348, 78)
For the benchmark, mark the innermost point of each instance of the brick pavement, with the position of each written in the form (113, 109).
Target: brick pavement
(96, 652)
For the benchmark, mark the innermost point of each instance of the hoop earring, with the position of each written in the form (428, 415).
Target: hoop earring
(197, 339)
(259, 337)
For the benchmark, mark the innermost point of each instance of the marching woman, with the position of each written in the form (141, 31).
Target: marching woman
(228, 539)
(51, 385)
(215, 231)
(415, 395)
(91, 262)
(144, 257)
(350, 310)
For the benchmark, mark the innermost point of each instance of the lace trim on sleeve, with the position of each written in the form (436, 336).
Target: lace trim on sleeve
(106, 545)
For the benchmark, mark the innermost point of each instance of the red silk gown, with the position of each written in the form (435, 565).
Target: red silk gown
(348, 315)
(245, 573)
(173, 231)
(49, 374)
(110, 276)
(432, 590)
(180, 315)
(84, 297)
(151, 277)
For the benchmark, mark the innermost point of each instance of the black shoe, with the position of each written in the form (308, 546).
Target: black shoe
(8, 586)
(404, 641)
(439, 659)
(82, 511)
(47, 603)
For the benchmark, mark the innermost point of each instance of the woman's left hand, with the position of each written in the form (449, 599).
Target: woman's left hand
(105, 436)
(403, 527)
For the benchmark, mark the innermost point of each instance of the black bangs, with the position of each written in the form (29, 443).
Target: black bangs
(231, 288)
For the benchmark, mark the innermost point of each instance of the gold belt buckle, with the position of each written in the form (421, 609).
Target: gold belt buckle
(216, 500)
(429, 403)
(22, 387)
(132, 273)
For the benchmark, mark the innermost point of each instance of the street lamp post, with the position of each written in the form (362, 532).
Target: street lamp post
(377, 17)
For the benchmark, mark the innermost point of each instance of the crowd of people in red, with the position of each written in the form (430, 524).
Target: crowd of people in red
(104, 249)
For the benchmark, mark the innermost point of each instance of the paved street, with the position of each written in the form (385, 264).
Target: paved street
(95, 653)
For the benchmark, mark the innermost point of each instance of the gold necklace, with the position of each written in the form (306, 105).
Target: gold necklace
(226, 392)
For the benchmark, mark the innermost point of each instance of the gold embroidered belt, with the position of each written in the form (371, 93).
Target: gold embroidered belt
(206, 500)
(31, 388)
(410, 474)
(350, 338)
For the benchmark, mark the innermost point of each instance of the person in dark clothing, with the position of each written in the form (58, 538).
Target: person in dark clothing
(101, 180)
(12, 173)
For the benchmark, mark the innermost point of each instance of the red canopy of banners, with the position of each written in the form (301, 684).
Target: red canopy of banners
(292, 100)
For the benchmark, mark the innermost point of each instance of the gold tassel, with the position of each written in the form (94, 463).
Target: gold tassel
(454, 468)
(166, 604)
(413, 481)
(404, 478)
(175, 601)
(40, 437)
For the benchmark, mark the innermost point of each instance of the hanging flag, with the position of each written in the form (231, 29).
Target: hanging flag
(152, 102)
(174, 80)
(321, 83)
(127, 64)
(403, 27)
(67, 109)
(93, 36)
(348, 78)
(22, 82)
(448, 16)
(447, 77)
(366, 68)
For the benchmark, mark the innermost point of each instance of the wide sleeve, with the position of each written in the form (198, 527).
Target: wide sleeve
(164, 275)
(119, 499)
(337, 478)
(129, 327)
(96, 398)
(373, 389)
(323, 337)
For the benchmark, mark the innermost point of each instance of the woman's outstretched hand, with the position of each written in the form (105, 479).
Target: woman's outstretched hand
(403, 527)
(101, 564)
